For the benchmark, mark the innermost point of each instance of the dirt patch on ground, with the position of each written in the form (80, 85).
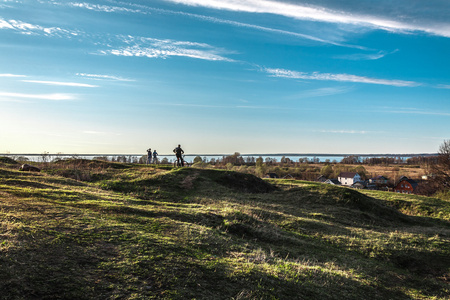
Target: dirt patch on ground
(188, 182)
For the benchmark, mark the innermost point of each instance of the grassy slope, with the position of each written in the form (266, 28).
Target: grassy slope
(136, 232)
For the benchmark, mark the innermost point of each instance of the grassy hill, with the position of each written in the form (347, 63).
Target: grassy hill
(97, 230)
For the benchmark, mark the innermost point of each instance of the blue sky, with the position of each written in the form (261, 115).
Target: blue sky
(224, 76)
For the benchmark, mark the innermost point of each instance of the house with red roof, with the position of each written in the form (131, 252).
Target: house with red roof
(406, 186)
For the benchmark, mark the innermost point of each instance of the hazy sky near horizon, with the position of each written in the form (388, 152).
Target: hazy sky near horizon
(224, 76)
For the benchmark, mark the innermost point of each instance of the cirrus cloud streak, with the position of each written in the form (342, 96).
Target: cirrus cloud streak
(58, 83)
(12, 75)
(320, 14)
(159, 48)
(143, 9)
(103, 77)
(282, 73)
(53, 97)
(30, 29)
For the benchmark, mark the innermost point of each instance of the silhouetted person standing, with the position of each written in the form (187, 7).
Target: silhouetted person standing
(179, 154)
(155, 157)
(149, 156)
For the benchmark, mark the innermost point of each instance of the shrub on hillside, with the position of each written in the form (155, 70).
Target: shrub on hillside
(8, 161)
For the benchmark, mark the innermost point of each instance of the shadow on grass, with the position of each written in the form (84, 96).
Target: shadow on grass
(27, 184)
(244, 229)
(45, 270)
(112, 263)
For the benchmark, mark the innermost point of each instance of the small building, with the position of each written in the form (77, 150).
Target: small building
(406, 186)
(321, 178)
(333, 182)
(379, 180)
(349, 178)
(359, 185)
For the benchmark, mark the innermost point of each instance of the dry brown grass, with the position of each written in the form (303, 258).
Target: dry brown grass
(392, 172)
(395, 171)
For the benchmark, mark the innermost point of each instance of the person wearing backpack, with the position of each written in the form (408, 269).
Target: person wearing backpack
(179, 154)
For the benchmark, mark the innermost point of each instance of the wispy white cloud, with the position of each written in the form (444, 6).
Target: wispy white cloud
(164, 53)
(103, 77)
(135, 46)
(142, 9)
(282, 73)
(12, 75)
(53, 97)
(414, 111)
(157, 48)
(5, 25)
(2, 5)
(105, 8)
(264, 28)
(317, 13)
(366, 56)
(273, 30)
(30, 29)
(58, 83)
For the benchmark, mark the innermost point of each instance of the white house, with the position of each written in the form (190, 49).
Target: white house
(349, 178)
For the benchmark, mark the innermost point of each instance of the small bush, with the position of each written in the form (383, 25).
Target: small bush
(8, 161)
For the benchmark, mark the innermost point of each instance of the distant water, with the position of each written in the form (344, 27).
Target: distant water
(190, 158)
(277, 158)
(294, 158)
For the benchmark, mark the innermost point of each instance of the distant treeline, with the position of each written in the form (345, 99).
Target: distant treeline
(237, 159)
(415, 160)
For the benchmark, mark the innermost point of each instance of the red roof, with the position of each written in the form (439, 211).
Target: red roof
(412, 182)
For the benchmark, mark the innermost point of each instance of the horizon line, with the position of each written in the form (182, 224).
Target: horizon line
(250, 154)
